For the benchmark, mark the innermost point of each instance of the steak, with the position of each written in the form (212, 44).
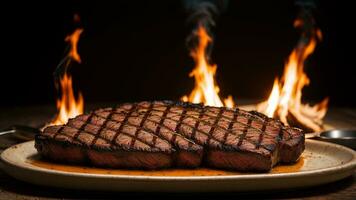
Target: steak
(164, 134)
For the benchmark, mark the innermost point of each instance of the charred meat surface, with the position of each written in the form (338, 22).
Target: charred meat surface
(163, 134)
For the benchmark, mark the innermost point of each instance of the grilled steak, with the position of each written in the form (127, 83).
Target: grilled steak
(162, 134)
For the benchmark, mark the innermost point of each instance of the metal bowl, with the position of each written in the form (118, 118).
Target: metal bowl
(343, 137)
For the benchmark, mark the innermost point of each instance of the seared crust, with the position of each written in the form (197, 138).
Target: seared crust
(181, 134)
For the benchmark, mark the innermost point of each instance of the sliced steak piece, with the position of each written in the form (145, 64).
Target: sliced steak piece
(232, 138)
(161, 134)
(119, 140)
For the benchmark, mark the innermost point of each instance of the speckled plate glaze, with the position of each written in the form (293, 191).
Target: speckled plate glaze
(322, 163)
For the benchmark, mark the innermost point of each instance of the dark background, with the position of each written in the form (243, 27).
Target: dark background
(135, 50)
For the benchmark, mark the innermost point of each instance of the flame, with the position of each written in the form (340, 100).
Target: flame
(229, 102)
(73, 40)
(286, 95)
(206, 90)
(68, 106)
(272, 101)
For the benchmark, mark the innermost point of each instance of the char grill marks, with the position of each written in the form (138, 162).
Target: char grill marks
(171, 127)
(218, 128)
(158, 124)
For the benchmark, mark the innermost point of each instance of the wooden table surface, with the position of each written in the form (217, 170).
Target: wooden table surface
(36, 116)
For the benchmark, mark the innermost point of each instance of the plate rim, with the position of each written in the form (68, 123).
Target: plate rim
(351, 164)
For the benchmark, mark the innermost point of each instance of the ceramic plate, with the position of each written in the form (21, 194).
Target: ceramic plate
(320, 163)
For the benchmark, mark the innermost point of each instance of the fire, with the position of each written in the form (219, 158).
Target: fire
(73, 40)
(285, 100)
(68, 106)
(206, 90)
(272, 101)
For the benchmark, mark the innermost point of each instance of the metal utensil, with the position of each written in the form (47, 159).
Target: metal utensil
(343, 137)
(20, 132)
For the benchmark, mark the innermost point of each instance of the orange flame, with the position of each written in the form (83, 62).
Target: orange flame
(206, 90)
(272, 101)
(286, 96)
(73, 40)
(68, 106)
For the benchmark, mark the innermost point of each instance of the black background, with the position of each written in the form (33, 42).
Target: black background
(135, 50)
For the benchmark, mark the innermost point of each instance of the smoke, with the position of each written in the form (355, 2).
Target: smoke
(305, 20)
(202, 13)
(67, 60)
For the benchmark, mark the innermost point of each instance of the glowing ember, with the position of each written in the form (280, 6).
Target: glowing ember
(285, 101)
(206, 90)
(68, 106)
